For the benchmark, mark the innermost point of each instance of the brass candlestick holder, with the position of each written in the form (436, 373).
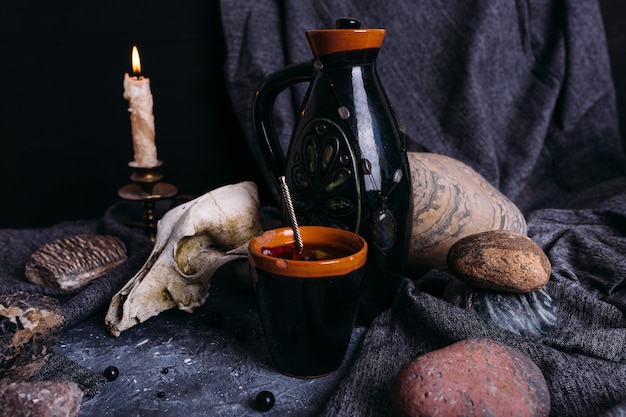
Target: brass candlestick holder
(147, 187)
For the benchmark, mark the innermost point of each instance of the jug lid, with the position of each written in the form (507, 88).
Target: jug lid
(347, 36)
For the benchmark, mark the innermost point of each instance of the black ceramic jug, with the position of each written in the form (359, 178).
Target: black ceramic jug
(346, 164)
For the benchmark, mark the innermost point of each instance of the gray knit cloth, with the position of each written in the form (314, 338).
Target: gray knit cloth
(583, 358)
(59, 368)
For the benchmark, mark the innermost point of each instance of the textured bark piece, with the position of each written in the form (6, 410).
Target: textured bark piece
(30, 325)
(451, 201)
(473, 377)
(500, 260)
(40, 399)
(72, 262)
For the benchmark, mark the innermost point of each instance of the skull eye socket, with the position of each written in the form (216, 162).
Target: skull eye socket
(193, 253)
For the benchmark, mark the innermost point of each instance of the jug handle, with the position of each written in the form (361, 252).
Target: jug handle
(262, 112)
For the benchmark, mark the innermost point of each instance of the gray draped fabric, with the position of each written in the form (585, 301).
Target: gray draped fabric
(522, 92)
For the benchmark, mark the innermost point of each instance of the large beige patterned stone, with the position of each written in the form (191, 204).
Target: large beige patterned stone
(451, 201)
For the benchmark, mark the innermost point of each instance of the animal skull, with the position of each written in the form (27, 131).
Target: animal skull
(193, 240)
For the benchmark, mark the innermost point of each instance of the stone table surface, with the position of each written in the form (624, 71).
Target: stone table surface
(180, 364)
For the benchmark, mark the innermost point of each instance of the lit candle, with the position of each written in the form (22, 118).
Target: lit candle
(137, 92)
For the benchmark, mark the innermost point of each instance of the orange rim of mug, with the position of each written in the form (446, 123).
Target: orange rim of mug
(313, 235)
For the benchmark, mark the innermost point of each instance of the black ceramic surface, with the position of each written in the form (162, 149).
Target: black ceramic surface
(346, 165)
(307, 321)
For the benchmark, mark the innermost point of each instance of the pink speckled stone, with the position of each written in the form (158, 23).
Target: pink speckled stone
(40, 399)
(473, 377)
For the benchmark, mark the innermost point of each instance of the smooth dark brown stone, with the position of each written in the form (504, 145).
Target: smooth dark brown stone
(501, 261)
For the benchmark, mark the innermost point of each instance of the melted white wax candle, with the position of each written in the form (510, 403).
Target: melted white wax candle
(137, 92)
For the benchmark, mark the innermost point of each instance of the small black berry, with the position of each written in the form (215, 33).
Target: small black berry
(240, 333)
(215, 319)
(264, 401)
(161, 394)
(111, 373)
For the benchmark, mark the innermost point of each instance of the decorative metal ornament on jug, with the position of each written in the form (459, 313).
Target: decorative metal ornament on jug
(346, 164)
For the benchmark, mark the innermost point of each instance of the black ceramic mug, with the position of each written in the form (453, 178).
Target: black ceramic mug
(308, 307)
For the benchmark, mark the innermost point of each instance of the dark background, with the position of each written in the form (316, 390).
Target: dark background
(65, 139)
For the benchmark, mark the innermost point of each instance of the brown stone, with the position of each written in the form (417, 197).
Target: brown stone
(501, 261)
(473, 377)
(30, 325)
(40, 399)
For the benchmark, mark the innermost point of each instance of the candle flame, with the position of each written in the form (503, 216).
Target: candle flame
(136, 62)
